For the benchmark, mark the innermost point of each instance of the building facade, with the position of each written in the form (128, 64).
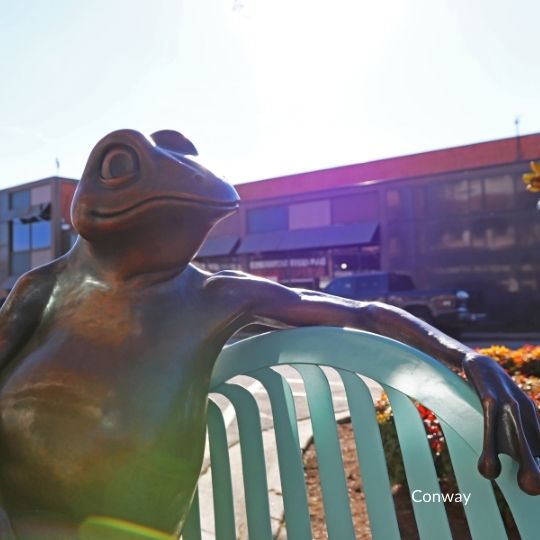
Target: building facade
(35, 226)
(459, 217)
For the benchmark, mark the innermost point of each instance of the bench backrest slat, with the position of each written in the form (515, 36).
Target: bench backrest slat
(325, 436)
(253, 463)
(221, 475)
(289, 453)
(371, 459)
(430, 517)
(483, 515)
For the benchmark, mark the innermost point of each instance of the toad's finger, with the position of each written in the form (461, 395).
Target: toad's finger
(489, 464)
(529, 471)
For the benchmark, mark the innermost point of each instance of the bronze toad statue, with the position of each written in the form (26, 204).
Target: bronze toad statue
(106, 352)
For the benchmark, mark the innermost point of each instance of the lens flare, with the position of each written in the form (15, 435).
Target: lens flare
(107, 528)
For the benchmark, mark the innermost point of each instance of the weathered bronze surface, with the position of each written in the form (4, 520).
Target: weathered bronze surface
(106, 353)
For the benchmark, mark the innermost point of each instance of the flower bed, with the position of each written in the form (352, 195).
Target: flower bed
(523, 365)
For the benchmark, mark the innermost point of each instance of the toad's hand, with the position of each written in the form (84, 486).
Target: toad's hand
(511, 422)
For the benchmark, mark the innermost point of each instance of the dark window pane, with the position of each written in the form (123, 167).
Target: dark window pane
(420, 206)
(455, 197)
(399, 203)
(400, 282)
(20, 263)
(421, 237)
(475, 195)
(399, 240)
(501, 234)
(529, 233)
(525, 200)
(273, 218)
(355, 208)
(19, 199)
(499, 192)
(20, 236)
(492, 233)
(449, 235)
(478, 233)
(41, 234)
(347, 262)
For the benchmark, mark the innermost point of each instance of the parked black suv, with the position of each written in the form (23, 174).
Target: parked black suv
(447, 309)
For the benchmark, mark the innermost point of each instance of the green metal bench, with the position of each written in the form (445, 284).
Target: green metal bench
(404, 373)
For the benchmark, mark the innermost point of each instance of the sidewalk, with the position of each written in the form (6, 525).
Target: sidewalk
(273, 478)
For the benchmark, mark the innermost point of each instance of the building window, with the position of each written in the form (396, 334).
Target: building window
(455, 197)
(20, 263)
(449, 235)
(30, 243)
(524, 200)
(269, 219)
(499, 192)
(419, 198)
(346, 260)
(309, 214)
(27, 236)
(19, 199)
(493, 233)
(40, 233)
(399, 203)
(20, 236)
(355, 208)
(41, 195)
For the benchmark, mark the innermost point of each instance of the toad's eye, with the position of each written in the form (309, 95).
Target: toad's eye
(119, 163)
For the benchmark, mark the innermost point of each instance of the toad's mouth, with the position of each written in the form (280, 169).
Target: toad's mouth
(164, 201)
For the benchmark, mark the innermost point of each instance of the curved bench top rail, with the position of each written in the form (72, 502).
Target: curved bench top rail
(390, 363)
(382, 359)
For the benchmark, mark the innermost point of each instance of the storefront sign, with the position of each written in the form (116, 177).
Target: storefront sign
(284, 263)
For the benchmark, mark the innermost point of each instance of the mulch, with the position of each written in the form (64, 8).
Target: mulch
(402, 501)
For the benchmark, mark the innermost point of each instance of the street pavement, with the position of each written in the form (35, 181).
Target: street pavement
(512, 340)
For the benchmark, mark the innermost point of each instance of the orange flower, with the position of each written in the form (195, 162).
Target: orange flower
(532, 179)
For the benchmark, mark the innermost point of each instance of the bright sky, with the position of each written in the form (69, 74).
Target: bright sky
(263, 87)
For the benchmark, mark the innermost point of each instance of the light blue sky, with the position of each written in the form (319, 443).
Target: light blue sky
(263, 87)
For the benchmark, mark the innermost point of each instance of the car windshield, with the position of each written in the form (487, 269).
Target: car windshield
(400, 282)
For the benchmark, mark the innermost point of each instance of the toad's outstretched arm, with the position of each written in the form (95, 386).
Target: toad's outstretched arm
(511, 423)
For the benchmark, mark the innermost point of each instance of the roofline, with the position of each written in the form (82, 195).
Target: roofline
(33, 183)
(444, 160)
